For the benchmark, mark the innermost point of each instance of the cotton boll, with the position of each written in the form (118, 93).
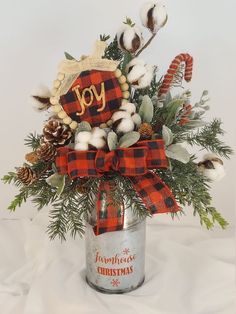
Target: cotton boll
(136, 119)
(98, 132)
(126, 125)
(97, 142)
(133, 62)
(136, 73)
(211, 156)
(42, 91)
(41, 98)
(146, 79)
(120, 115)
(81, 146)
(159, 16)
(135, 69)
(212, 167)
(153, 16)
(83, 137)
(130, 38)
(129, 107)
(215, 174)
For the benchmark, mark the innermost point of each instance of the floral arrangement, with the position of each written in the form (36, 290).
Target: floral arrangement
(116, 129)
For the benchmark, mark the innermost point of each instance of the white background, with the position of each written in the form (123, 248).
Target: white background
(189, 270)
(34, 35)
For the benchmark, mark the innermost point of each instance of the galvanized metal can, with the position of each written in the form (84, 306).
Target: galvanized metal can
(115, 260)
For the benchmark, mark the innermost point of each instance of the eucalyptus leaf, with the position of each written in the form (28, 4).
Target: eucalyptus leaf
(167, 135)
(61, 186)
(83, 126)
(112, 140)
(195, 124)
(54, 168)
(129, 139)
(55, 180)
(173, 108)
(126, 59)
(178, 152)
(146, 109)
(168, 99)
(68, 56)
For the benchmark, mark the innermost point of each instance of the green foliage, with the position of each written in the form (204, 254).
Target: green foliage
(10, 178)
(129, 22)
(129, 196)
(18, 200)
(68, 56)
(129, 139)
(207, 137)
(104, 37)
(33, 140)
(169, 111)
(191, 188)
(113, 52)
(146, 109)
(71, 209)
(127, 57)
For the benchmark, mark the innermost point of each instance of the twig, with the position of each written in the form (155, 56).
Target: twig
(146, 45)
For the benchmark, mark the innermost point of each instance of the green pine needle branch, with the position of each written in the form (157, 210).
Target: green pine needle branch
(207, 137)
(190, 188)
(33, 140)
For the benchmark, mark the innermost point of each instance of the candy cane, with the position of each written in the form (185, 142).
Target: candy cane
(168, 78)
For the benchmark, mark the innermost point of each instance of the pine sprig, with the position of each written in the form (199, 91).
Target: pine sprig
(33, 140)
(191, 188)
(216, 217)
(9, 178)
(58, 223)
(131, 198)
(113, 52)
(72, 209)
(18, 200)
(207, 137)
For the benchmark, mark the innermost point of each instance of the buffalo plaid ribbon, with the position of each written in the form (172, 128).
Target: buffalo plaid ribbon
(113, 95)
(133, 163)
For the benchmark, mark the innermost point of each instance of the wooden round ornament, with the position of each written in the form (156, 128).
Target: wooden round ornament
(91, 89)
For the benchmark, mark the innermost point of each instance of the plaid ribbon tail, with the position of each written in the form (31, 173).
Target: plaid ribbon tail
(155, 194)
(109, 216)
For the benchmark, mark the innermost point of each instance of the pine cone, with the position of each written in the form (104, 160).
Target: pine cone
(159, 125)
(26, 175)
(56, 133)
(145, 131)
(82, 189)
(31, 157)
(46, 151)
(82, 186)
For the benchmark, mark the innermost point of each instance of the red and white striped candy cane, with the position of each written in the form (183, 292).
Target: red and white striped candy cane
(173, 68)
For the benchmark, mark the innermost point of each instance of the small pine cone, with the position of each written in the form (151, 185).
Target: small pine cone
(31, 157)
(145, 131)
(26, 175)
(82, 187)
(56, 133)
(159, 125)
(46, 151)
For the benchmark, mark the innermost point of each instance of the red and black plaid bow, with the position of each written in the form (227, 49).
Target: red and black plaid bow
(134, 163)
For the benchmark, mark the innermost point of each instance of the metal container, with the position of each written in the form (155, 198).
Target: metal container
(115, 260)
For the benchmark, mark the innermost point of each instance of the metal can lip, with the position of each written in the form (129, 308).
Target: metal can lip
(118, 291)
